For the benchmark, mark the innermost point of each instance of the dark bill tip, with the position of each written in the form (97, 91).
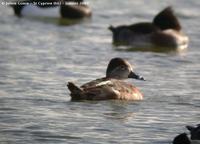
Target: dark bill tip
(135, 76)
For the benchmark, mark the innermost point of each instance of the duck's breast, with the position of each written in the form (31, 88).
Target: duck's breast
(131, 93)
(170, 38)
(181, 39)
(126, 91)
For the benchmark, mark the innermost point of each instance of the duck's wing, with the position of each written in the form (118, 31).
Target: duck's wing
(112, 89)
(93, 83)
(100, 89)
(96, 92)
(138, 28)
(100, 93)
(103, 89)
(143, 28)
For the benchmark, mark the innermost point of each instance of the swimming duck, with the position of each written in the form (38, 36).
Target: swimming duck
(164, 31)
(194, 132)
(110, 87)
(71, 9)
(183, 139)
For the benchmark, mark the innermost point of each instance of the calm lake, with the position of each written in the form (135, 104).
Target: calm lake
(38, 58)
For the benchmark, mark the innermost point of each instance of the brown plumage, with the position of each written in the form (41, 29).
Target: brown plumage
(110, 87)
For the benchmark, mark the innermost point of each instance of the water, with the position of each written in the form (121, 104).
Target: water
(37, 58)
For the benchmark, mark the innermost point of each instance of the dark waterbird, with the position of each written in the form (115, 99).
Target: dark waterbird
(163, 33)
(70, 9)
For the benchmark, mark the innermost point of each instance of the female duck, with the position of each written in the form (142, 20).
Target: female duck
(71, 9)
(164, 31)
(111, 86)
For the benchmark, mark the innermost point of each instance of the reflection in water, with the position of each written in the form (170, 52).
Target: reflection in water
(150, 49)
(119, 115)
(119, 111)
(36, 59)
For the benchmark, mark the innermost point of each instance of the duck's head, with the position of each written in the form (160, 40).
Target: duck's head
(121, 69)
(166, 19)
(182, 139)
(194, 131)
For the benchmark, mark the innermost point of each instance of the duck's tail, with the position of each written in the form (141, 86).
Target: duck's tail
(167, 20)
(76, 92)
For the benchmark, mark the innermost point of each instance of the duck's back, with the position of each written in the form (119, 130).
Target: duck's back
(143, 28)
(106, 88)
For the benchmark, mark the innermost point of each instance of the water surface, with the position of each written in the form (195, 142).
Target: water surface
(37, 58)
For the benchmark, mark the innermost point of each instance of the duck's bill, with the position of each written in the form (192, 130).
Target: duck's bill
(135, 76)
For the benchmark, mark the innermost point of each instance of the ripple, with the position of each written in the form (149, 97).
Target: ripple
(38, 58)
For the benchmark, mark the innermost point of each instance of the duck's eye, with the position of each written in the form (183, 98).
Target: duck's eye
(123, 68)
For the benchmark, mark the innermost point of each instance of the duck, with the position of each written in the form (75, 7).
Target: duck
(111, 86)
(181, 139)
(68, 9)
(184, 139)
(194, 131)
(164, 31)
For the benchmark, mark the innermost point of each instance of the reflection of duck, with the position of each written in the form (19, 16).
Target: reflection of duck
(164, 31)
(72, 9)
(194, 132)
(111, 86)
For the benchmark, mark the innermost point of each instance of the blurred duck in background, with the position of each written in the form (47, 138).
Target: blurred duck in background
(194, 132)
(194, 136)
(184, 139)
(69, 9)
(181, 139)
(163, 32)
